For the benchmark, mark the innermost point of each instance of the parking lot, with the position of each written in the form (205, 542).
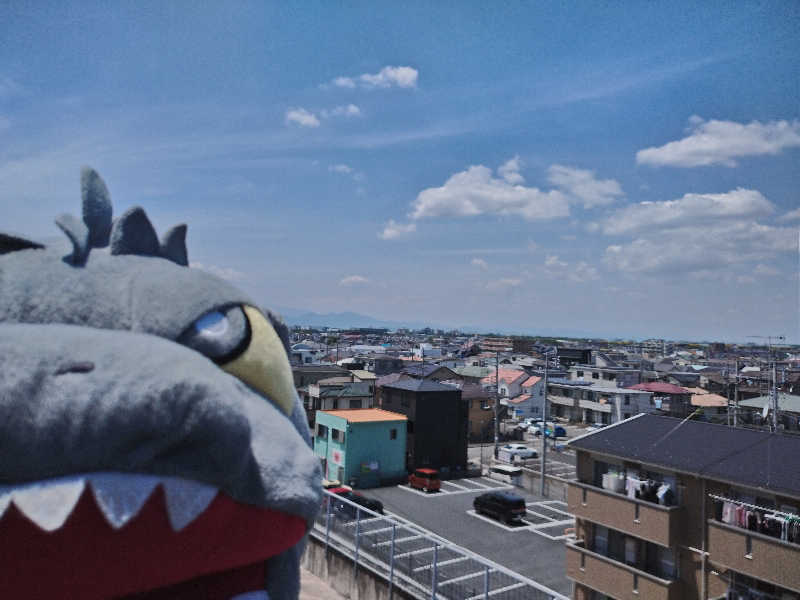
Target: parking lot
(534, 548)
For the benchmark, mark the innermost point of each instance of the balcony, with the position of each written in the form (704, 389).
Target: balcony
(662, 525)
(616, 579)
(754, 554)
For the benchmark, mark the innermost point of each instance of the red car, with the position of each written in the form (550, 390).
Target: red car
(426, 480)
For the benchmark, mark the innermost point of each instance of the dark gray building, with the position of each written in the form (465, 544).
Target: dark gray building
(437, 423)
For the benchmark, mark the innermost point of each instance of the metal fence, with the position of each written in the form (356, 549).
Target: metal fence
(419, 563)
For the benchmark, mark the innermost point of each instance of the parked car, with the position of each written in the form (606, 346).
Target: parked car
(556, 432)
(426, 480)
(349, 510)
(504, 506)
(520, 450)
(597, 425)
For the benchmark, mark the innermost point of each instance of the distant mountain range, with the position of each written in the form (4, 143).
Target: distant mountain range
(347, 320)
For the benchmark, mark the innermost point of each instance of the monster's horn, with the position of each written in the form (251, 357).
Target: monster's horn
(96, 207)
(78, 234)
(173, 245)
(133, 233)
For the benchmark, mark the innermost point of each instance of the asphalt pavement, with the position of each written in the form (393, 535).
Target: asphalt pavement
(534, 549)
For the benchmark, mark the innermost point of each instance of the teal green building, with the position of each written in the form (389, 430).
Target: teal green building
(361, 447)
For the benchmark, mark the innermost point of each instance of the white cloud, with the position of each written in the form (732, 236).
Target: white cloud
(504, 283)
(581, 184)
(702, 247)
(302, 117)
(720, 142)
(226, 273)
(341, 168)
(347, 110)
(552, 261)
(476, 192)
(353, 280)
(766, 270)
(792, 215)
(402, 77)
(480, 263)
(394, 230)
(510, 171)
(687, 210)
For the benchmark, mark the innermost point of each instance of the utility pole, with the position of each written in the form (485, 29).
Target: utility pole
(736, 394)
(496, 402)
(544, 421)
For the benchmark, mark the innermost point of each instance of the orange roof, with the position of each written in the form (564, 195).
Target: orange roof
(532, 380)
(709, 400)
(520, 398)
(365, 415)
(506, 376)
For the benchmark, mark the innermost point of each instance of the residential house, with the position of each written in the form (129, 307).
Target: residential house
(428, 371)
(618, 376)
(530, 402)
(438, 418)
(582, 402)
(667, 509)
(753, 410)
(672, 399)
(361, 447)
(510, 381)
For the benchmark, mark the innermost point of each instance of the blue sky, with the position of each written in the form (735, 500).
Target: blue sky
(615, 168)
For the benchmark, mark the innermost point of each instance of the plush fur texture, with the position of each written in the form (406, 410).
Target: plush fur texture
(92, 377)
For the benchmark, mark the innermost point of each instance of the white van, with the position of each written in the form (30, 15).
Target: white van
(506, 474)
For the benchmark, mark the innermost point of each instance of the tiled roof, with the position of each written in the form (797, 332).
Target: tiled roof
(366, 415)
(519, 399)
(709, 400)
(787, 402)
(364, 375)
(756, 459)
(532, 380)
(506, 376)
(659, 387)
(421, 385)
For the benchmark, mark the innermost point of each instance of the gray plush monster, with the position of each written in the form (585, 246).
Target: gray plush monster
(151, 441)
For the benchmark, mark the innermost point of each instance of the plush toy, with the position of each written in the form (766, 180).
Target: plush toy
(151, 441)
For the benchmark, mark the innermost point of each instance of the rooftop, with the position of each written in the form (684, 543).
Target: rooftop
(659, 387)
(366, 415)
(421, 385)
(787, 402)
(755, 459)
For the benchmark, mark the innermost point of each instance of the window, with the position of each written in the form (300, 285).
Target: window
(579, 373)
(335, 403)
(355, 403)
(337, 435)
(627, 399)
(322, 431)
(595, 375)
(393, 434)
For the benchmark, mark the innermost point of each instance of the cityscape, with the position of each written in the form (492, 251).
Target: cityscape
(400, 301)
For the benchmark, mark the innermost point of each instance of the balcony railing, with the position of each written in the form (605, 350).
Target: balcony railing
(616, 579)
(754, 554)
(662, 525)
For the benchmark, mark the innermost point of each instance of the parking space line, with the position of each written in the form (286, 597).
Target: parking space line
(478, 483)
(494, 482)
(495, 522)
(553, 524)
(513, 586)
(461, 487)
(467, 576)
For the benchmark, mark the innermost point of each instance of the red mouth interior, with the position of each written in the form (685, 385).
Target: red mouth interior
(86, 558)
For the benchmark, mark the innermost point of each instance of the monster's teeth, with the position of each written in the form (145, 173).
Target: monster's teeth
(121, 496)
(48, 504)
(186, 500)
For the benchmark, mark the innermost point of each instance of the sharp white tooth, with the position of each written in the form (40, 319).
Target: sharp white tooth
(121, 495)
(48, 503)
(186, 500)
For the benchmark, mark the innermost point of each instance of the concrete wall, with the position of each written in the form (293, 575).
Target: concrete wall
(337, 571)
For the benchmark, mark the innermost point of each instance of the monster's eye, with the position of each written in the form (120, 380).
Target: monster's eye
(221, 335)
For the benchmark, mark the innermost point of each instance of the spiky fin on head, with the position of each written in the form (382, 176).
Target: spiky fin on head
(132, 233)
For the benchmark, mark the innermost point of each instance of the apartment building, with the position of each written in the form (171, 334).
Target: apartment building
(671, 510)
(584, 402)
(617, 376)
